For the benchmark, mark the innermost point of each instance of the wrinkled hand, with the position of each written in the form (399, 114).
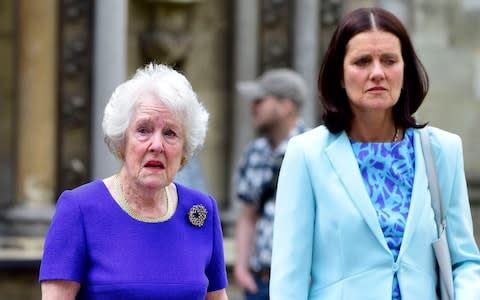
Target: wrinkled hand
(245, 280)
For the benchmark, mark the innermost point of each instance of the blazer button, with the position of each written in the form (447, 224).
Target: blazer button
(395, 267)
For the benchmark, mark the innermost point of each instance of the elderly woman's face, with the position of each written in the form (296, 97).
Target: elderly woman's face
(154, 143)
(373, 71)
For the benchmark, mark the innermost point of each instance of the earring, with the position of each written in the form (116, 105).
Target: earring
(120, 155)
(183, 162)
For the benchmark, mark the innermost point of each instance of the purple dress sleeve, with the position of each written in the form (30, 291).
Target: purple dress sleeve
(64, 250)
(216, 272)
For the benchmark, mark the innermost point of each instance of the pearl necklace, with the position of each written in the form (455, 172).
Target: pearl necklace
(127, 208)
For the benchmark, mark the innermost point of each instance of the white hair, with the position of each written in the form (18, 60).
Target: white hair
(172, 89)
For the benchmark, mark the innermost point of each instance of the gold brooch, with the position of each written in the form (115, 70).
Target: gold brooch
(197, 215)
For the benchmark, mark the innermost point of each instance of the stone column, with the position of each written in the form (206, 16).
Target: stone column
(110, 64)
(36, 160)
(7, 102)
(36, 124)
(245, 68)
(305, 53)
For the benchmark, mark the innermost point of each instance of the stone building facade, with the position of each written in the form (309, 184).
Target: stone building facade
(62, 59)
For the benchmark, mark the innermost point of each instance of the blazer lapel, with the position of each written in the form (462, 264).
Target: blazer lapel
(418, 202)
(343, 160)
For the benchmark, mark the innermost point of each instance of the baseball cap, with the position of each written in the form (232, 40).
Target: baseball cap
(281, 83)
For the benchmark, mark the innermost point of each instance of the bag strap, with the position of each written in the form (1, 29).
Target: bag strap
(437, 204)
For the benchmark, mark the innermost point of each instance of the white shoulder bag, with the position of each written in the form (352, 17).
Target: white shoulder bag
(440, 246)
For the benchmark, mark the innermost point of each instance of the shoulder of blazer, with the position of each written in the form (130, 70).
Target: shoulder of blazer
(316, 138)
(444, 143)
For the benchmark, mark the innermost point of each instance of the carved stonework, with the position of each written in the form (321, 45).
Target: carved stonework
(330, 14)
(75, 69)
(168, 37)
(276, 21)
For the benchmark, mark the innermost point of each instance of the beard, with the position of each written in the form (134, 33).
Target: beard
(265, 129)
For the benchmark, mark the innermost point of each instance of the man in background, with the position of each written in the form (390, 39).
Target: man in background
(275, 99)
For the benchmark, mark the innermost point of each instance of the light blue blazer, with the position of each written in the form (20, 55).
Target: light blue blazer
(328, 244)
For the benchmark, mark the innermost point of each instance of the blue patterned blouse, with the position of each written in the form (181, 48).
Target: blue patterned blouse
(388, 171)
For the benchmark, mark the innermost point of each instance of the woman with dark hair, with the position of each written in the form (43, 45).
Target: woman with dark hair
(353, 214)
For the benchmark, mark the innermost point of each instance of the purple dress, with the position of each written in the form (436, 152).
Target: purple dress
(113, 256)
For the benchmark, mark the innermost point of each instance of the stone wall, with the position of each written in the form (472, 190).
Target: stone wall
(19, 283)
(446, 37)
(445, 34)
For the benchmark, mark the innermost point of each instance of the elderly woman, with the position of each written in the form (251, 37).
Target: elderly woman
(353, 211)
(137, 234)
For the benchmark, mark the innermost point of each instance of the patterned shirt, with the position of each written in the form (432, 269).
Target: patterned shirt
(256, 184)
(388, 172)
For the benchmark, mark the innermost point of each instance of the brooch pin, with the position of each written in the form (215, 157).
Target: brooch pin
(197, 215)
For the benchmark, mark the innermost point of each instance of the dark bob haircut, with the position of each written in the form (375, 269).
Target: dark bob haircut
(337, 113)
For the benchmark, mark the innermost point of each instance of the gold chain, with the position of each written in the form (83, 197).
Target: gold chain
(127, 208)
(395, 136)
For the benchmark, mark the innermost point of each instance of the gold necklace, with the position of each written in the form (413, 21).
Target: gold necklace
(127, 208)
(396, 135)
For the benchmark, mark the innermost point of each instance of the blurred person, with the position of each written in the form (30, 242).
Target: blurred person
(275, 99)
(137, 234)
(191, 175)
(353, 215)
